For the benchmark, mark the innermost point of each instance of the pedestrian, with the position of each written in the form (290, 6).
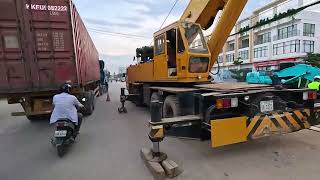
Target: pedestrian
(315, 84)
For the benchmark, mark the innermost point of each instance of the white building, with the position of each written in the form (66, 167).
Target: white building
(265, 47)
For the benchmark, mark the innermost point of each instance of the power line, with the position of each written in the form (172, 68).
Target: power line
(118, 34)
(110, 34)
(174, 5)
(131, 36)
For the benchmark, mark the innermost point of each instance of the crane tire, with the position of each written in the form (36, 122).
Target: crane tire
(171, 107)
(155, 96)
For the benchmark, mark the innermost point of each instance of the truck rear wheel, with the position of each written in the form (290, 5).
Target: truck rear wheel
(33, 118)
(89, 104)
(171, 107)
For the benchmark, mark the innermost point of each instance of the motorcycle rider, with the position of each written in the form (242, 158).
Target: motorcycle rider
(65, 107)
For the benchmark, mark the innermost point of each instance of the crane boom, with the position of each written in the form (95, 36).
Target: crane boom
(204, 13)
(180, 53)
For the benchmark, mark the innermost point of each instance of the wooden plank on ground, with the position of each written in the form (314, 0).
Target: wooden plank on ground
(315, 128)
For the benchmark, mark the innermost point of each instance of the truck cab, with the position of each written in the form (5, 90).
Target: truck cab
(180, 54)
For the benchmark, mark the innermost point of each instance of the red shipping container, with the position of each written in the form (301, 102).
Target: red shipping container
(44, 43)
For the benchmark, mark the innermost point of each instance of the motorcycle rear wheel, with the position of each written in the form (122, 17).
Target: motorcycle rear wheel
(60, 150)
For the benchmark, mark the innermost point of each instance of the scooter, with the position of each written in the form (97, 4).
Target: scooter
(64, 136)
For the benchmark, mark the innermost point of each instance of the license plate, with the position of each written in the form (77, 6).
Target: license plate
(60, 134)
(266, 106)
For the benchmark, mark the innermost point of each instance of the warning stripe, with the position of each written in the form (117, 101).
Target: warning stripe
(156, 133)
(276, 123)
(299, 115)
(282, 123)
(255, 123)
(252, 123)
(292, 121)
(298, 120)
(285, 119)
(303, 115)
(266, 124)
(307, 125)
(97, 92)
(307, 111)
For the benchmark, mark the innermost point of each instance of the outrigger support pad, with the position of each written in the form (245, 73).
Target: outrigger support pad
(155, 160)
(123, 99)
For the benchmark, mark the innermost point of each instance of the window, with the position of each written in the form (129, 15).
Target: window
(308, 46)
(198, 64)
(294, 46)
(261, 52)
(230, 46)
(171, 42)
(244, 55)
(230, 57)
(286, 47)
(309, 29)
(181, 47)
(263, 38)
(244, 43)
(196, 41)
(220, 59)
(159, 45)
(289, 31)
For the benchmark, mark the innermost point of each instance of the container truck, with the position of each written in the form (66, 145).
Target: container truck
(43, 45)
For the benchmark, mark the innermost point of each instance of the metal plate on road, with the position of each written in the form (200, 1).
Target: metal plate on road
(60, 134)
(266, 106)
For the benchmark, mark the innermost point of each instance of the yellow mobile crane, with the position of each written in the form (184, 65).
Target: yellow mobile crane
(181, 54)
(176, 72)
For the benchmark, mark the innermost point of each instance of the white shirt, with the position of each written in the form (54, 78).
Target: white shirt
(65, 107)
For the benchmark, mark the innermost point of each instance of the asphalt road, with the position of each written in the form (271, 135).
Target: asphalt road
(109, 144)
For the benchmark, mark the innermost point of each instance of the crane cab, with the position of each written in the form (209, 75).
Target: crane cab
(180, 54)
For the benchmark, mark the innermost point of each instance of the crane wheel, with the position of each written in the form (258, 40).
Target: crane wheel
(155, 96)
(171, 107)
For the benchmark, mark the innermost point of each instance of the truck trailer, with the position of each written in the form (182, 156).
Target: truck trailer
(43, 45)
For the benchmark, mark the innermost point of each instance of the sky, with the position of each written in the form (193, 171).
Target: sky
(141, 18)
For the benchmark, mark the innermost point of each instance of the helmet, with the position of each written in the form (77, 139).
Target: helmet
(66, 88)
(317, 78)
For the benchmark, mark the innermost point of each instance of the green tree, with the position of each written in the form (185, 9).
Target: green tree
(313, 59)
(238, 74)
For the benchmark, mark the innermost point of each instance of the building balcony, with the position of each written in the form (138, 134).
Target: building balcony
(262, 42)
(288, 35)
(243, 47)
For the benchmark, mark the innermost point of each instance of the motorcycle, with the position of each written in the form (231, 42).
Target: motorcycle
(64, 136)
